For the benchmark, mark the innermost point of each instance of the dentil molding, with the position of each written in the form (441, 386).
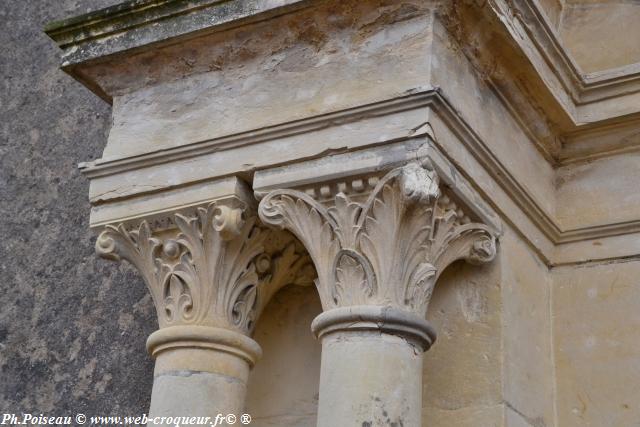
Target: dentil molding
(387, 249)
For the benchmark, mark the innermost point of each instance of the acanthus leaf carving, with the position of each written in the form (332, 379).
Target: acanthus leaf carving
(354, 278)
(208, 270)
(311, 223)
(387, 250)
(137, 247)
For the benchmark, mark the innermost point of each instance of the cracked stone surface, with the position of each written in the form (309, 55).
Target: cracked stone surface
(72, 327)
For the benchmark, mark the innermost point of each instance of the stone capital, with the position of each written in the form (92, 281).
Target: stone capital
(217, 267)
(385, 248)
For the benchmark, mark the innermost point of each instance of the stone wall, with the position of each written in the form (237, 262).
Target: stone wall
(595, 323)
(519, 343)
(72, 327)
(590, 30)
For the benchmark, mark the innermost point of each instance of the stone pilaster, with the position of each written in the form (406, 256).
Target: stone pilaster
(210, 274)
(378, 257)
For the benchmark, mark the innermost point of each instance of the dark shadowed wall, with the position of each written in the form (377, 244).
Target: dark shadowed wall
(72, 327)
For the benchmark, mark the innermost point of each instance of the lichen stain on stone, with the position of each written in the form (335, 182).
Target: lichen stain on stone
(391, 14)
(472, 304)
(325, 28)
(381, 416)
(308, 32)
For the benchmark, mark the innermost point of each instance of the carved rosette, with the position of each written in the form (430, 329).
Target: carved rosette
(216, 268)
(387, 251)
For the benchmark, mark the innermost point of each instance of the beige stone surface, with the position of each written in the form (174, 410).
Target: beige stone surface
(482, 108)
(462, 374)
(602, 35)
(378, 253)
(386, 38)
(595, 325)
(619, 246)
(347, 131)
(480, 370)
(527, 353)
(553, 9)
(393, 139)
(470, 416)
(316, 87)
(202, 394)
(283, 386)
(369, 379)
(611, 181)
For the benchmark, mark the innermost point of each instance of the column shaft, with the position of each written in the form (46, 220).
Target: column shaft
(377, 261)
(369, 379)
(200, 372)
(371, 372)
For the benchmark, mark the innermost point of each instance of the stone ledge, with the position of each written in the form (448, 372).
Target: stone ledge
(137, 23)
(590, 100)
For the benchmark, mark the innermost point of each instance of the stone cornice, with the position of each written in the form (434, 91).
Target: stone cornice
(543, 41)
(584, 88)
(98, 168)
(528, 204)
(142, 182)
(433, 99)
(519, 194)
(567, 98)
(592, 142)
(158, 206)
(122, 27)
(136, 23)
(134, 16)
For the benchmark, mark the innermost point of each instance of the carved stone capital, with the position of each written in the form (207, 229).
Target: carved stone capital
(217, 268)
(387, 249)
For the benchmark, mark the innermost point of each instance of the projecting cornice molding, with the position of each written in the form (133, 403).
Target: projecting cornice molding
(592, 100)
(117, 203)
(584, 88)
(180, 167)
(136, 23)
(574, 103)
(101, 33)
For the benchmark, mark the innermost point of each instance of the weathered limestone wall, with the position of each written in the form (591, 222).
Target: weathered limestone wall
(612, 182)
(283, 387)
(72, 327)
(595, 326)
(527, 351)
(553, 9)
(296, 52)
(601, 35)
(479, 104)
(462, 379)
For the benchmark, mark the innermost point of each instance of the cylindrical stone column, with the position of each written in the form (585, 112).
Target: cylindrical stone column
(210, 276)
(200, 371)
(371, 369)
(377, 260)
